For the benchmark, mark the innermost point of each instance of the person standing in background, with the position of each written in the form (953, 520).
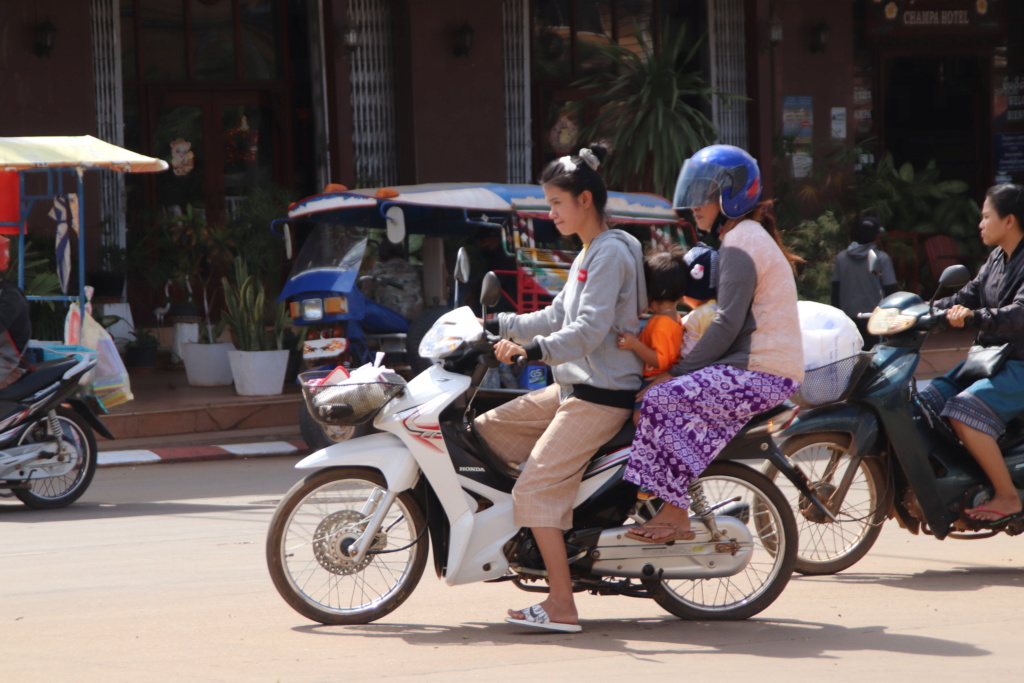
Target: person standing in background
(862, 276)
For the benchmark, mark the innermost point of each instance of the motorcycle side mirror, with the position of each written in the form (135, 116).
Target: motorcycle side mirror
(462, 266)
(490, 291)
(954, 277)
(396, 224)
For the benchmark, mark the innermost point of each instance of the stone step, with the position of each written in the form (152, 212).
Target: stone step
(165, 405)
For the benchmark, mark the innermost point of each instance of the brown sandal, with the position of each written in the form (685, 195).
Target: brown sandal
(676, 534)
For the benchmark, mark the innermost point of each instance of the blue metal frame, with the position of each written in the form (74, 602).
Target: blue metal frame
(54, 187)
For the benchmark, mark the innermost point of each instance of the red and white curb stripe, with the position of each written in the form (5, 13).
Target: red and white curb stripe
(184, 453)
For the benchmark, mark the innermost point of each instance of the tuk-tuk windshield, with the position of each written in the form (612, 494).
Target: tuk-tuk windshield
(332, 247)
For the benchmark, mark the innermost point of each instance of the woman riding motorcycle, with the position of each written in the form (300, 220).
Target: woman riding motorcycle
(978, 408)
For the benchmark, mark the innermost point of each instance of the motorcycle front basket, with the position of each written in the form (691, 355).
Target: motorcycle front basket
(351, 403)
(831, 383)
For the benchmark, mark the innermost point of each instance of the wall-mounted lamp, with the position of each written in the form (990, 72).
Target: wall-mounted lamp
(463, 40)
(772, 32)
(44, 34)
(350, 38)
(819, 38)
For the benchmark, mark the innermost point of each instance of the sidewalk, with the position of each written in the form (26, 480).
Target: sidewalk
(170, 421)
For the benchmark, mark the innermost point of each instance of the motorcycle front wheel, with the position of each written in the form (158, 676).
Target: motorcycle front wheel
(317, 520)
(827, 547)
(767, 514)
(79, 447)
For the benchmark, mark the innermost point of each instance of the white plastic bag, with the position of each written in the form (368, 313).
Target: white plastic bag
(828, 334)
(109, 382)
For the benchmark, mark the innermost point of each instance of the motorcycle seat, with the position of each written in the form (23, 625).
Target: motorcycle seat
(1013, 436)
(43, 375)
(622, 439)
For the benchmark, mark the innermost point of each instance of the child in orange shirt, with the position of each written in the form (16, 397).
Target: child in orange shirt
(661, 339)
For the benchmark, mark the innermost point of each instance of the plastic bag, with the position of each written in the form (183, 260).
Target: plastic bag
(109, 381)
(828, 334)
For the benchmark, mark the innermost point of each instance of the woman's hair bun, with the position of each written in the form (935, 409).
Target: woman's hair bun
(599, 150)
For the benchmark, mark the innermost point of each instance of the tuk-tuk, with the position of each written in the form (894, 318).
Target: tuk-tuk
(340, 231)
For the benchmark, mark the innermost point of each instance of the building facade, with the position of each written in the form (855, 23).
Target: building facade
(240, 94)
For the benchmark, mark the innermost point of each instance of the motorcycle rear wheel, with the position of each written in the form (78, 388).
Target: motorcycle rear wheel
(757, 586)
(827, 547)
(315, 520)
(80, 444)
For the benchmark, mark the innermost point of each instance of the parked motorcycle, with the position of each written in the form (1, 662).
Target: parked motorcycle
(872, 450)
(47, 446)
(348, 543)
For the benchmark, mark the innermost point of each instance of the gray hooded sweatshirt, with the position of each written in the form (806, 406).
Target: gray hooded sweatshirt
(860, 287)
(577, 334)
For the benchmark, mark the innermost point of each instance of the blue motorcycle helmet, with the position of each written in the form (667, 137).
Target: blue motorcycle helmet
(722, 173)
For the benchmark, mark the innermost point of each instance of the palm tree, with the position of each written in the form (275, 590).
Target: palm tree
(649, 111)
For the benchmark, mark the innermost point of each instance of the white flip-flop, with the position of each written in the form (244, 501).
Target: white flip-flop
(536, 617)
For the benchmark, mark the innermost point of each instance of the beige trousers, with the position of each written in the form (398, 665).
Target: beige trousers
(556, 440)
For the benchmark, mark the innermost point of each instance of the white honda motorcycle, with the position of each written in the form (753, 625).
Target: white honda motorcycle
(348, 544)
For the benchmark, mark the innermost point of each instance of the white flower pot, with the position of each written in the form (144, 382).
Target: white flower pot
(258, 373)
(207, 365)
(184, 333)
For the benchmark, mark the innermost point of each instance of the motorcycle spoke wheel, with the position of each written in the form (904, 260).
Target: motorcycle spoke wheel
(317, 520)
(754, 588)
(79, 448)
(828, 547)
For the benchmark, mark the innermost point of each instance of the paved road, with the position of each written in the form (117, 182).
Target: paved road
(158, 575)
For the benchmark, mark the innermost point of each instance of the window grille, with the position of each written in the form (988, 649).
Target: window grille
(515, 22)
(106, 40)
(728, 69)
(373, 94)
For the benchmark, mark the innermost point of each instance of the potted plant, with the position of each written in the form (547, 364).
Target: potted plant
(206, 360)
(259, 362)
(140, 352)
(649, 109)
(198, 252)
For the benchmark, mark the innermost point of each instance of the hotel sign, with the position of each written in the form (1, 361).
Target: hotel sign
(916, 17)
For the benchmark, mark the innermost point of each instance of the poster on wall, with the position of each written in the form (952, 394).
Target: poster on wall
(798, 129)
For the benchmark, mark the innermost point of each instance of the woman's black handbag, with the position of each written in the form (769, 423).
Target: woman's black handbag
(982, 362)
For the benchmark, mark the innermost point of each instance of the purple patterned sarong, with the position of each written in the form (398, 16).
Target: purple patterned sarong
(687, 421)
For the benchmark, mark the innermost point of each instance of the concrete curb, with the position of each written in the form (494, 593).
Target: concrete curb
(140, 456)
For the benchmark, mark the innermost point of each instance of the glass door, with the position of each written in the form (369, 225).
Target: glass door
(220, 146)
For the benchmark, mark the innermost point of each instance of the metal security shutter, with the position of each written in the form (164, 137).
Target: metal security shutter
(515, 21)
(106, 66)
(373, 94)
(728, 69)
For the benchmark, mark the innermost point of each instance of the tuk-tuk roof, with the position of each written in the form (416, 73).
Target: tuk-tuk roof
(623, 207)
(73, 151)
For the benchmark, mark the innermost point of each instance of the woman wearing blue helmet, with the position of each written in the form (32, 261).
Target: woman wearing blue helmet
(749, 359)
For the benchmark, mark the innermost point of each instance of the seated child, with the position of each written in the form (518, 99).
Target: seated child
(661, 339)
(700, 289)
(701, 294)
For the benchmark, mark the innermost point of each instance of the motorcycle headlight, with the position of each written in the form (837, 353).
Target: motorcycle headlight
(313, 309)
(887, 321)
(450, 333)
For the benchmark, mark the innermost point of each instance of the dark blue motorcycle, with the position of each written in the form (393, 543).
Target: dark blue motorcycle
(872, 450)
